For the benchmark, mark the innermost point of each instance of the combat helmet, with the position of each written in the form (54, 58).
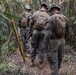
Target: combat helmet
(44, 4)
(54, 6)
(27, 7)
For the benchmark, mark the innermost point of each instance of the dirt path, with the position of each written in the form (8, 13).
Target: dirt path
(25, 67)
(68, 66)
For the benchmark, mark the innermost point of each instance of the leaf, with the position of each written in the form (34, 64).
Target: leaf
(2, 5)
(74, 22)
(3, 15)
(35, 4)
(4, 37)
(72, 18)
(11, 16)
(4, 67)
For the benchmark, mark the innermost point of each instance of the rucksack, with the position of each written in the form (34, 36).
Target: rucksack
(25, 19)
(59, 22)
(41, 20)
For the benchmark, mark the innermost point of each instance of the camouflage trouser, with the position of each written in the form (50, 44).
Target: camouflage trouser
(37, 45)
(24, 34)
(55, 53)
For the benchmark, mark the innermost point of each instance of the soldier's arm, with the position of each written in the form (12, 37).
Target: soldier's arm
(19, 23)
(48, 26)
(48, 29)
(29, 17)
(31, 23)
(32, 20)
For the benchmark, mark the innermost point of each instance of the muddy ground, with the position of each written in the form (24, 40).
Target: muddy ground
(16, 66)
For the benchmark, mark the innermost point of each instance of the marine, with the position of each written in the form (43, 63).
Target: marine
(24, 29)
(58, 28)
(37, 23)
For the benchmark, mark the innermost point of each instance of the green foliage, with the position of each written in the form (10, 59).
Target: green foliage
(10, 10)
(7, 48)
(67, 58)
(75, 22)
(36, 5)
(7, 67)
(4, 50)
(68, 10)
(10, 46)
(66, 49)
(3, 68)
(4, 38)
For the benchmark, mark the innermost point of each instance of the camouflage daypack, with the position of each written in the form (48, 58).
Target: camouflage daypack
(59, 24)
(25, 19)
(41, 19)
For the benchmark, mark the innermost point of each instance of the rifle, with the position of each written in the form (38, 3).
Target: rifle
(28, 37)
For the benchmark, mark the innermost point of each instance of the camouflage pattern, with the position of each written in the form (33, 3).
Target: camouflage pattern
(54, 6)
(35, 17)
(59, 22)
(44, 4)
(55, 54)
(24, 30)
(24, 33)
(25, 18)
(55, 47)
(27, 7)
(37, 38)
(37, 45)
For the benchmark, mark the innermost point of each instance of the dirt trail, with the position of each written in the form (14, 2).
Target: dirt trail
(67, 68)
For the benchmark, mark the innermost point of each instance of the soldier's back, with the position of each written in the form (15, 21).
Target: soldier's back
(37, 13)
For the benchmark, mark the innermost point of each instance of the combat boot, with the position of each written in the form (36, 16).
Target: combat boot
(40, 64)
(32, 63)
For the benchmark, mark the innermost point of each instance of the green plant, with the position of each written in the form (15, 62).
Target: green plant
(7, 67)
(67, 58)
(11, 46)
(5, 25)
(66, 48)
(3, 68)
(36, 5)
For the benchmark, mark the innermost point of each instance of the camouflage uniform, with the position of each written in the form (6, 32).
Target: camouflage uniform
(55, 47)
(24, 34)
(24, 29)
(37, 38)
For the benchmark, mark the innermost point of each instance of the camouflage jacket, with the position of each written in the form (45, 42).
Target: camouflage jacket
(25, 18)
(33, 19)
(49, 28)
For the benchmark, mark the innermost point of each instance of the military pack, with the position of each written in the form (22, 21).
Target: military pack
(59, 22)
(25, 19)
(40, 19)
